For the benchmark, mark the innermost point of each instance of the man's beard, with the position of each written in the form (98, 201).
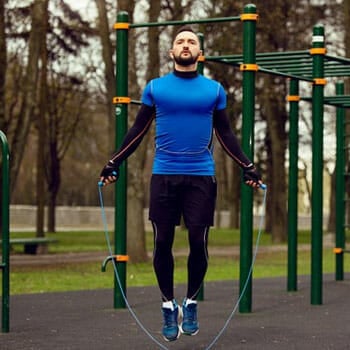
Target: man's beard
(185, 61)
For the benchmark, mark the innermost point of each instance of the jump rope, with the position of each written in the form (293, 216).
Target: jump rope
(235, 307)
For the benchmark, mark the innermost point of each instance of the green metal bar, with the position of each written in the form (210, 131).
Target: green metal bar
(5, 217)
(121, 112)
(340, 187)
(293, 64)
(286, 75)
(293, 188)
(263, 69)
(317, 170)
(301, 53)
(339, 59)
(246, 239)
(197, 21)
(200, 69)
(332, 101)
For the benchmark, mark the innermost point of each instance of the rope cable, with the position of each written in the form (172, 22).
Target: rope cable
(235, 307)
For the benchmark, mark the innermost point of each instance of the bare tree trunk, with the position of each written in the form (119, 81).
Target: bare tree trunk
(269, 179)
(347, 91)
(332, 214)
(107, 54)
(3, 67)
(234, 195)
(30, 88)
(275, 116)
(54, 181)
(136, 195)
(221, 176)
(135, 224)
(41, 126)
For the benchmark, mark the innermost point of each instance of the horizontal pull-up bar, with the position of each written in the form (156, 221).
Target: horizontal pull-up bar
(197, 21)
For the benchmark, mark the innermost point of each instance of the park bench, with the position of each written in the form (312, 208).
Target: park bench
(31, 244)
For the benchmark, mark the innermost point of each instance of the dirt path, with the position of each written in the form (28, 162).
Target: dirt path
(84, 257)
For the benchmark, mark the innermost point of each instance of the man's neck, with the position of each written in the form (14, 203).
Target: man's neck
(186, 74)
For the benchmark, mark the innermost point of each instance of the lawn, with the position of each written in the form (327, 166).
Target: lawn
(68, 277)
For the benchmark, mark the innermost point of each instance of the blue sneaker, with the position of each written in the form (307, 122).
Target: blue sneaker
(171, 313)
(189, 325)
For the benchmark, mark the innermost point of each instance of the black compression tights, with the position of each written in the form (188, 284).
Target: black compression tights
(163, 260)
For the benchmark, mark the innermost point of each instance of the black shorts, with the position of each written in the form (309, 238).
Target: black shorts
(192, 196)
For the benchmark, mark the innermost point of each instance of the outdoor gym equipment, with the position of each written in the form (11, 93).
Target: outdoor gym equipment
(313, 66)
(5, 215)
(248, 18)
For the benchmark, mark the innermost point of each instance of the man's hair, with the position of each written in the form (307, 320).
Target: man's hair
(184, 28)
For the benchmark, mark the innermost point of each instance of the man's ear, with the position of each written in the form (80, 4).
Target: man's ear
(171, 53)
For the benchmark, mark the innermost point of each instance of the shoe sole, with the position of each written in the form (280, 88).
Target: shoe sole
(188, 333)
(173, 339)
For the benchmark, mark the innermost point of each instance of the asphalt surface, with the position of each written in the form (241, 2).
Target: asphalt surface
(279, 319)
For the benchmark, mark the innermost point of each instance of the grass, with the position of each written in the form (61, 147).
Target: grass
(69, 277)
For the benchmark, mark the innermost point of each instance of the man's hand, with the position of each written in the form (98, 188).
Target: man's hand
(251, 176)
(109, 174)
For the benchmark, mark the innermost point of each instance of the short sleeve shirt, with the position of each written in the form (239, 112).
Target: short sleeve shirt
(184, 122)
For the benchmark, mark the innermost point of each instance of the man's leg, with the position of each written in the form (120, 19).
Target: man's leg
(163, 263)
(197, 263)
(197, 267)
(199, 207)
(163, 260)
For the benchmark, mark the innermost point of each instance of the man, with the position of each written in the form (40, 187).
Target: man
(187, 108)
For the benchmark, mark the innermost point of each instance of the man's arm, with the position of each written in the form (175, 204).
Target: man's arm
(228, 139)
(230, 144)
(131, 141)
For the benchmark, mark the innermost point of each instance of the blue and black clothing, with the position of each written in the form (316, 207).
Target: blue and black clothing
(188, 108)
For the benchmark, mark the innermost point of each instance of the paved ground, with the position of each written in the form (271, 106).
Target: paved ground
(280, 320)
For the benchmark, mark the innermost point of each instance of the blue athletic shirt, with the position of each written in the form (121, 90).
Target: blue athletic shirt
(184, 122)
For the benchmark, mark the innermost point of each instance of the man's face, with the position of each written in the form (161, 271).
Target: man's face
(186, 49)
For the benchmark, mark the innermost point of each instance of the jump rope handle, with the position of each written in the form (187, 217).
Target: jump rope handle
(263, 186)
(101, 183)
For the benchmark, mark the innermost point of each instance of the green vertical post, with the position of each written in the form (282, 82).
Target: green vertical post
(248, 67)
(318, 53)
(5, 216)
(293, 185)
(340, 188)
(200, 69)
(121, 113)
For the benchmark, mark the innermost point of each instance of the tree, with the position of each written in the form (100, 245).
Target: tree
(3, 66)
(136, 163)
(107, 55)
(65, 110)
(52, 37)
(41, 126)
(64, 103)
(28, 104)
(135, 222)
(347, 86)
